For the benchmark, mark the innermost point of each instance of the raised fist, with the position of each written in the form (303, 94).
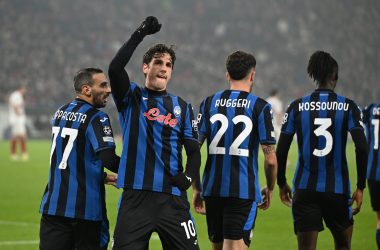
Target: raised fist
(149, 26)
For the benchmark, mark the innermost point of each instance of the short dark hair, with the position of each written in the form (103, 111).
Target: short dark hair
(239, 63)
(322, 67)
(84, 76)
(159, 49)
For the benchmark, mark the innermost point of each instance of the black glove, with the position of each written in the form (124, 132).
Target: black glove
(149, 26)
(182, 181)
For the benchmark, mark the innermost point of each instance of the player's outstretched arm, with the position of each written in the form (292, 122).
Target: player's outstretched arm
(282, 156)
(270, 166)
(119, 79)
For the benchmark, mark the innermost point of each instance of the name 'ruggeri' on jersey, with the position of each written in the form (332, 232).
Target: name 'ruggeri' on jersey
(235, 122)
(322, 121)
(75, 188)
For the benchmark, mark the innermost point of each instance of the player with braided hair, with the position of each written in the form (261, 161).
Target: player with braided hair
(321, 186)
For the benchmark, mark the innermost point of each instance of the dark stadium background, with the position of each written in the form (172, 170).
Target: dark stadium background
(44, 42)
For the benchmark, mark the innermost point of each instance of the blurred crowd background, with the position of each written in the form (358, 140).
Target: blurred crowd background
(44, 42)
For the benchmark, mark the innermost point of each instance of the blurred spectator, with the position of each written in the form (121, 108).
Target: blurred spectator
(17, 120)
(278, 111)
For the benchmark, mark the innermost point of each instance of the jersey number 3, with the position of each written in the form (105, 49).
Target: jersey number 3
(72, 133)
(234, 148)
(324, 123)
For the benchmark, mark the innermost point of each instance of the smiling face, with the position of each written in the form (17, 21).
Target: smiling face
(100, 90)
(158, 72)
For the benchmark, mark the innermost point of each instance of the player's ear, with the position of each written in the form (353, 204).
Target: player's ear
(86, 90)
(228, 77)
(252, 75)
(145, 68)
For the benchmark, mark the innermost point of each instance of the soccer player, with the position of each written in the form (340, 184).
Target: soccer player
(155, 125)
(17, 119)
(73, 205)
(276, 103)
(321, 184)
(371, 119)
(235, 122)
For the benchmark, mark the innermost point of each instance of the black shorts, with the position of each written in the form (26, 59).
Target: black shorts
(61, 233)
(311, 208)
(230, 218)
(143, 212)
(374, 192)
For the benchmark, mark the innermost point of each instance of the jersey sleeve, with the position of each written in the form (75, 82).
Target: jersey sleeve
(366, 114)
(265, 126)
(100, 133)
(355, 120)
(201, 120)
(190, 124)
(288, 121)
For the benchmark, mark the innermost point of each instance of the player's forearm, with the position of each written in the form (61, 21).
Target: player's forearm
(119, 79)
(282, 157)
(361, 151)
(193, 158)
(109, 159)
(270, 165)
(197, 184)
(125, 53)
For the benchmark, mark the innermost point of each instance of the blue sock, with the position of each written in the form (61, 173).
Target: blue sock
(378, 238)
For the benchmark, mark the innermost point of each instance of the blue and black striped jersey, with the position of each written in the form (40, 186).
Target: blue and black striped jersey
(322, 121)
(371, 118)
(234, 123)
(154, 126)
(76, 188)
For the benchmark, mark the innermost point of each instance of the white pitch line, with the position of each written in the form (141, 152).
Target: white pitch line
(18, 223)
(19, 242)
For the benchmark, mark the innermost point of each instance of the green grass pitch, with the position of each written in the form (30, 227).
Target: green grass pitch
(22, 185)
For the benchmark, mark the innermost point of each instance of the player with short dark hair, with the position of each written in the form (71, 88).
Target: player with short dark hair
(235, 122)
(156, 126)
(371, 117)
(73, 205)
(321, 184)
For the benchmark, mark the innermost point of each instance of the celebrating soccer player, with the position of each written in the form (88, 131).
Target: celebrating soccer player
(321, 185)
(371, 120)
(234, 121)
(156, 125)
(73, 205)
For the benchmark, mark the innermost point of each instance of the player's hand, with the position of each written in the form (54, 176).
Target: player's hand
(357, 197)
(182, 181)
(286, 195)
(267, 197)
(198, 202)
(149, 26)
(110, 179)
